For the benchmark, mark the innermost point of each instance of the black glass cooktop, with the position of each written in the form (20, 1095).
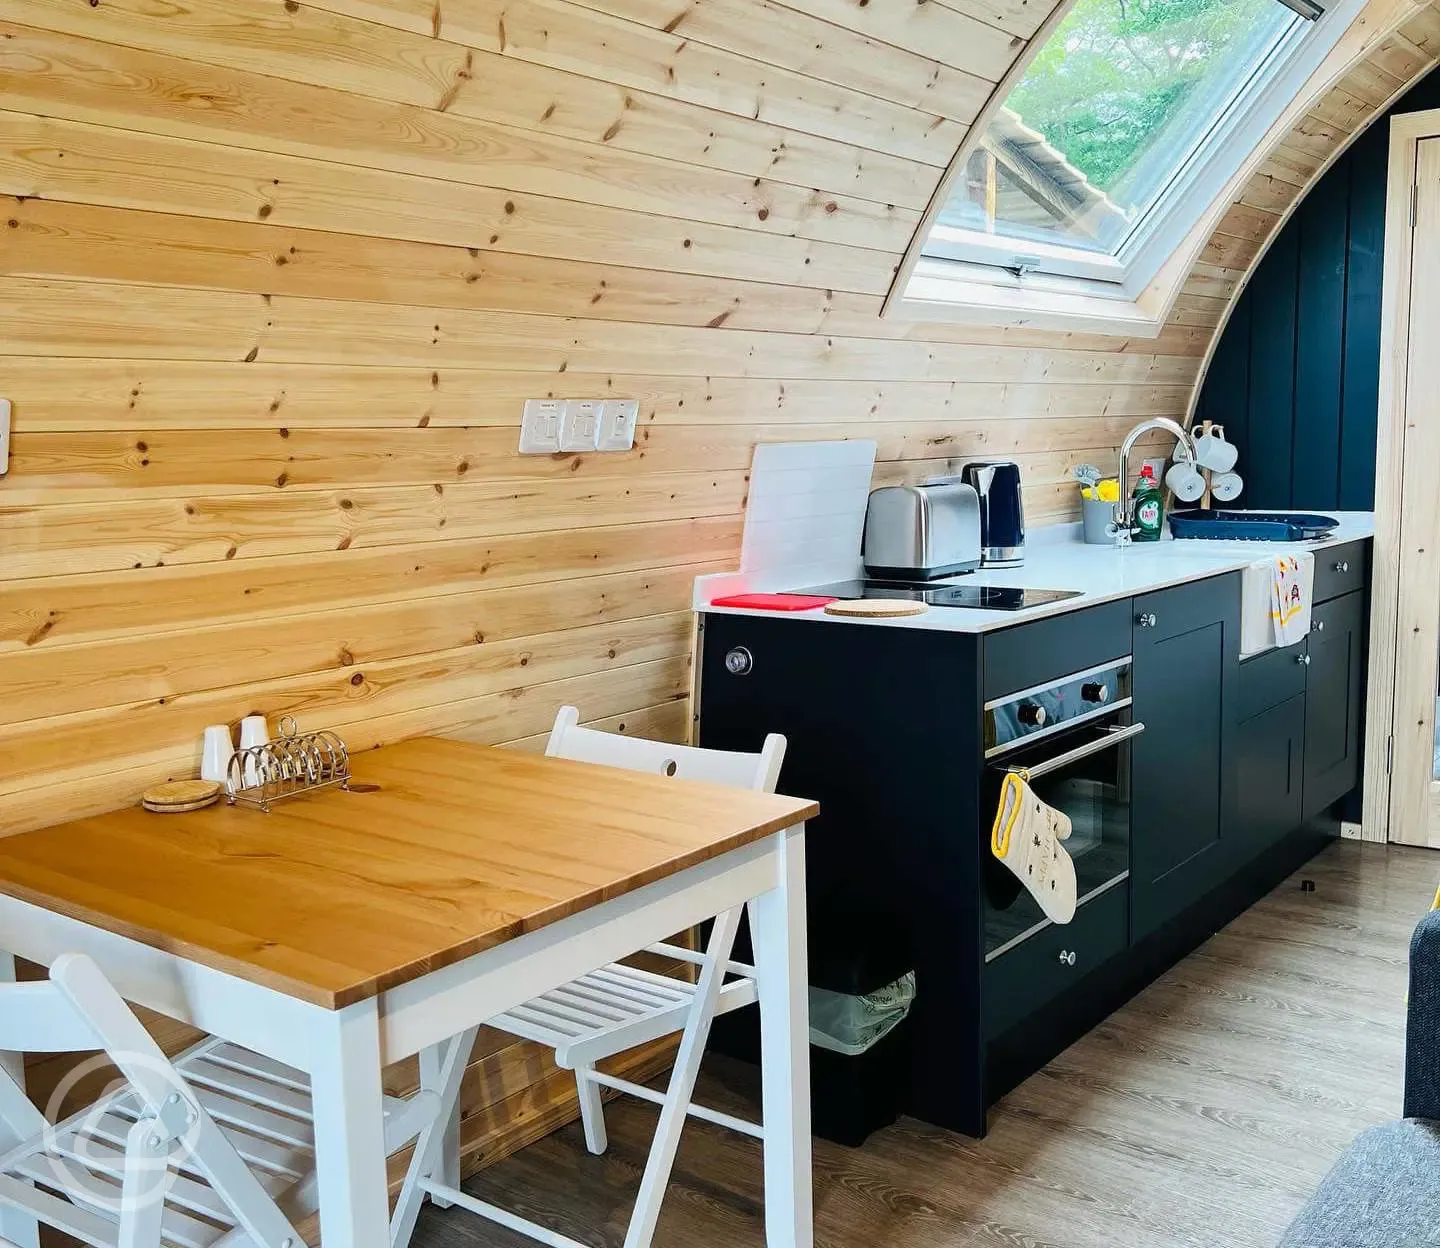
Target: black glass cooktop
(946, 594)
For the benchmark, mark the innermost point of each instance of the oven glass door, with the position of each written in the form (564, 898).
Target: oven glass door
(1085, 773)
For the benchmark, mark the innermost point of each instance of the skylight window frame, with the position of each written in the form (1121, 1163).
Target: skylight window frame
(956, 273)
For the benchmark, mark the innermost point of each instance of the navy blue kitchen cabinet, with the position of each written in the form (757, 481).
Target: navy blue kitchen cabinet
(1334, 693)
(1186, 645)
(1231, 786)
(1269, 777)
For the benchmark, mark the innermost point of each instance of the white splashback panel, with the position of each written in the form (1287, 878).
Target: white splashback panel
(807, 509)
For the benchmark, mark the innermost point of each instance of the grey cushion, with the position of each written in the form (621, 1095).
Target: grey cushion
(1384, 1192)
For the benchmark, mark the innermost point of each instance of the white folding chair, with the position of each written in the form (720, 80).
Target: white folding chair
(214, 1149)
(617, 1007)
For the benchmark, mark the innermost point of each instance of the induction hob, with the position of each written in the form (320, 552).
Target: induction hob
(945, 594)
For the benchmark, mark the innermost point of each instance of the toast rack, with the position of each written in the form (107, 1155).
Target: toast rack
(292, 765)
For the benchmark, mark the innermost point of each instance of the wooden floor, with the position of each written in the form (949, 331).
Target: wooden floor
(1201, 1114)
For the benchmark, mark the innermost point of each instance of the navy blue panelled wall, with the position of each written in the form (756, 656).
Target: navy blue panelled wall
(1295, 378)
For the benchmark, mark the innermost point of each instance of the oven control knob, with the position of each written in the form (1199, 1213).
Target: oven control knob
(1095, 691)
(1032, 714)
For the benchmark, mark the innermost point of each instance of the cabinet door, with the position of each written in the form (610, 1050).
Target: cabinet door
(1269, 767)
(1186, 646)
(1333, 693)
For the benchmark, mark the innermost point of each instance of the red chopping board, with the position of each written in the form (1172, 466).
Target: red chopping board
(773, 602)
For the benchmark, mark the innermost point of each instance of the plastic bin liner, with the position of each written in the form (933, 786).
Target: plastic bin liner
(849, 1024)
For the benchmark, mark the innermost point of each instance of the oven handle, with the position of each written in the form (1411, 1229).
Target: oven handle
(1112, 736)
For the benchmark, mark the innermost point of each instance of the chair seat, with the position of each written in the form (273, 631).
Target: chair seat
(261, 1106)
(611, 1010)
(1382, 1191)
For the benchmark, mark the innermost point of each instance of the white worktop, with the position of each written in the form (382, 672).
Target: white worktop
(1056, 558)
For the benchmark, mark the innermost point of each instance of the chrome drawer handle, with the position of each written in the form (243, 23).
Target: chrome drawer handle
(1318, 626)
(1146, 619)
(1342, 566)
(1303, 660)
(1067, 957)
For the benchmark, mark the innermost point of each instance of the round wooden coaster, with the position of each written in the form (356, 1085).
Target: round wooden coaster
(876, 608)
(177, 796)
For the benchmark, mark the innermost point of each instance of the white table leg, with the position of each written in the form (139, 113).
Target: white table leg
(15, 1226)
(432, 1061)
(350, 1127)
(778, 930)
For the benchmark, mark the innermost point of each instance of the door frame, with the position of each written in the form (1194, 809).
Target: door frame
(1404, 630)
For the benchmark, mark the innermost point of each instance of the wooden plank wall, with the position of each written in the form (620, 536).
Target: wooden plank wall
(277, 275)
(275, 279)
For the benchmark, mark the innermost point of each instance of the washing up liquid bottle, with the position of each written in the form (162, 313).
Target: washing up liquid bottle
(1149, 507)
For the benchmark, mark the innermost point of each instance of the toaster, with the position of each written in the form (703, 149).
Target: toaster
(915, 532)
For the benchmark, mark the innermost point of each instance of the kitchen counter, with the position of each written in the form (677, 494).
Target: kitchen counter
(1056, 558)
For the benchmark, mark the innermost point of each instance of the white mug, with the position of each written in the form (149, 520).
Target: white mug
(1226, 486)
(1214, 453)
(1186, 480)
(215, 753)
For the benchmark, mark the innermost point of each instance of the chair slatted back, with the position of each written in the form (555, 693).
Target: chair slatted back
(686, 762)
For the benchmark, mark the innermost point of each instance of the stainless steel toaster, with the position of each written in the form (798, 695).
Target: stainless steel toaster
(915, 532)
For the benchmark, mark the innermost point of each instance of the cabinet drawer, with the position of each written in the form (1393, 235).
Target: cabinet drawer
(1271, 678)
(1340, 570)
(1021, 980)
(1032, 654)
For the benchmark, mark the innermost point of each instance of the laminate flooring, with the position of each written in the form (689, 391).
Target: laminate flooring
(1200, 1115)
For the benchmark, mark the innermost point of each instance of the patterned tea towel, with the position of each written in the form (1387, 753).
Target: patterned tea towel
(1292, 580)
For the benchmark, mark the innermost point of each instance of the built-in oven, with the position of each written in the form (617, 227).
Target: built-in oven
(1071, 737)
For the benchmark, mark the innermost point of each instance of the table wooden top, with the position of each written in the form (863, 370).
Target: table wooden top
(337, 896)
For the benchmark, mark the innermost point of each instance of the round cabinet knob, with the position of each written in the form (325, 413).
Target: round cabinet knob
(1067, 957)
(1342, 566)
(1032, 714)
(738, 661)
(1146, 619)
(1095, 691)
(1303, 660)
(1318, 626)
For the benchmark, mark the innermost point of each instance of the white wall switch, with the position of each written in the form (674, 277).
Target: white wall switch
(540, 426)
(617, 424)
(4, 436)
(580, 425)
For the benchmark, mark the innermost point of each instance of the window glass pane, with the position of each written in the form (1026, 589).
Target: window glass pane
(1120, 98)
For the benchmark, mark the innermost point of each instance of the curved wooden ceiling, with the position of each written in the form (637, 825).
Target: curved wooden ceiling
(277, 276)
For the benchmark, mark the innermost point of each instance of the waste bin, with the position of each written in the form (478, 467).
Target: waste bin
(860, 1055)
(861, 987)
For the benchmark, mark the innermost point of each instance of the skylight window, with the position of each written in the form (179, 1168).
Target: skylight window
(1114, 141)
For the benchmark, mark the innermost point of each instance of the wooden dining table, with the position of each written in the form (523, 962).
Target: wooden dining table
(344, 931)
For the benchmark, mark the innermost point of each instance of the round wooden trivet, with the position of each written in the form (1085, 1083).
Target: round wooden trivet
(174, 797)
(876, 608)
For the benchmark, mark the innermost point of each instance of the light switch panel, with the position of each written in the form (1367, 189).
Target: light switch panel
(540, 426)
(617, 424)
(4, 436)
(580, 425)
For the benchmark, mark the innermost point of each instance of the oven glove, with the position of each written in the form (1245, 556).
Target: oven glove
(1026, 838)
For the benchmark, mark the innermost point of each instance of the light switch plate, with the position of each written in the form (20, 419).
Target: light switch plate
(4, 436)
(540, 426)
(617, 424)
(580, 425)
